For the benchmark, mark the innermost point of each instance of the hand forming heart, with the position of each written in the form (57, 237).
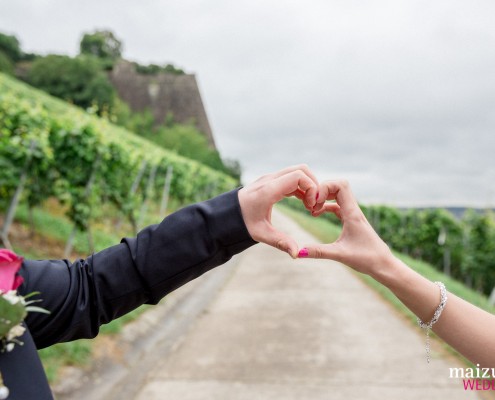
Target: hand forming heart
(462, 325)
(358, 245)
(257, 200)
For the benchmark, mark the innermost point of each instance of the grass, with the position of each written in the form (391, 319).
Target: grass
(328, 232)
(322, 229)
(59, 228)
(53, 226)
(79, 352)
(51, 223)
(55, 357)
(136, 145)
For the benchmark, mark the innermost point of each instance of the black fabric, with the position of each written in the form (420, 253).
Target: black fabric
(23, 373)
(87, 293)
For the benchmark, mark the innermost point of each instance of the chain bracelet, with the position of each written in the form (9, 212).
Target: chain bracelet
(436, 316)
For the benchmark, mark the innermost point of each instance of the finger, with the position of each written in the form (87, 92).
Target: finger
(326, 251)
(328, 207)
(308, 201)
(277, 174)
(298, 193)
(341, 192)
(290, 183)
(324, 194)
(280, 240)
(301, 196)
(299, 167)
(321, 203)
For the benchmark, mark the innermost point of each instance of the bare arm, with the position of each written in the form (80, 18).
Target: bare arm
(467, 328)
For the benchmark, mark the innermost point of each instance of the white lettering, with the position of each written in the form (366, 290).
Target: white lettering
(459, 372)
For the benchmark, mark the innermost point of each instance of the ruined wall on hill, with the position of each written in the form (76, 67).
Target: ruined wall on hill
(162, 93)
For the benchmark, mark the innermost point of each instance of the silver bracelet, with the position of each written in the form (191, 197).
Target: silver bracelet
(427, 327)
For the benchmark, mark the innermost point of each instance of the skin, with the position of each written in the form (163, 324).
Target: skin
(257, 200)
(464, 326)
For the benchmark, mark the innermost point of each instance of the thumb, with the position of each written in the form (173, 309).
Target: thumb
(327, 251)
(282, 242)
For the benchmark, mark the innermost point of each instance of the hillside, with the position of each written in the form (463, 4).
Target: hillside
(52, 150)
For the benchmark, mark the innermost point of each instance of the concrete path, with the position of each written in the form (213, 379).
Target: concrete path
(305, 329)
(268, 327)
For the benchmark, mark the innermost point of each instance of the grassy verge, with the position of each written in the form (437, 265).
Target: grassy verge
(58, 228)
(64, 354)
(51, 224)
(318, 227)
(328, 232)
(79, 352)
(53, 229)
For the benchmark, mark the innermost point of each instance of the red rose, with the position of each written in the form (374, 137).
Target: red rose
(10, 263)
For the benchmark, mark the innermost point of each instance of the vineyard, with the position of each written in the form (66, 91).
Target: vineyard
(51, 149)
(461, 248)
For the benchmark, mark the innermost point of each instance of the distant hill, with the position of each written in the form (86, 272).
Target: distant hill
(457, 212)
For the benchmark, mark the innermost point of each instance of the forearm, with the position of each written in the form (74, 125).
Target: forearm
(467, 328)
(83, 295)
(187, 244)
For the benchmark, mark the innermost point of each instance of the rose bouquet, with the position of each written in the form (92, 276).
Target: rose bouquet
(13, 307)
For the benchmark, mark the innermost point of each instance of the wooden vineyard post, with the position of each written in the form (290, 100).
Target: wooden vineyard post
(132, 191)
(166, 191)
(87, 192)
(138, 178)
(147, 195)
(9, 218)
(491, 299)
(442, 242)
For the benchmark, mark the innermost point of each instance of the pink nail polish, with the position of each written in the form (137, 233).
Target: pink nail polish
(303, 253)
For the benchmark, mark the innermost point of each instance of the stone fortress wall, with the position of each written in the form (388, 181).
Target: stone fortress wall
(162, 93)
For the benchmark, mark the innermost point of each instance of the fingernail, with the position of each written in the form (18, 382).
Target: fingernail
(303, 253)
(317, 195)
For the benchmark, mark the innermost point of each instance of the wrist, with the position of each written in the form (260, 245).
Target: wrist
(390, 270)
(226, 220)
(243, 197)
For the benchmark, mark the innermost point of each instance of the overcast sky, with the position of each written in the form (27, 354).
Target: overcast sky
(397, 96)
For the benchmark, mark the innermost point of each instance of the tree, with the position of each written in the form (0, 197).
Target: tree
(480, 249)
(154, 69)
(101, 44)
(10, 46)
(187, 141)
(6, 65)
(233, 168)
(79, 80)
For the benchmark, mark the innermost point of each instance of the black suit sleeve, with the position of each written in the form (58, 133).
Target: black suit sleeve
(87, 293)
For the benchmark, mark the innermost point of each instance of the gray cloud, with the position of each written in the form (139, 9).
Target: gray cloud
(399, 97)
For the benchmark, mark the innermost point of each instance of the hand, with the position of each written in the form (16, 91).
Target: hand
(358, 246)
(257, 200)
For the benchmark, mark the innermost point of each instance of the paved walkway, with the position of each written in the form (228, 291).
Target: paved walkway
(267, 327)
(305, 329)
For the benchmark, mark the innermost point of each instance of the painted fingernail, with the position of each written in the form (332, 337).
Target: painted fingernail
(317, 195)
(303, 253)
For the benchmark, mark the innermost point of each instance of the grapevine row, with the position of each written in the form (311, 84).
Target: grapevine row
(49, 148)
(461, 248)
